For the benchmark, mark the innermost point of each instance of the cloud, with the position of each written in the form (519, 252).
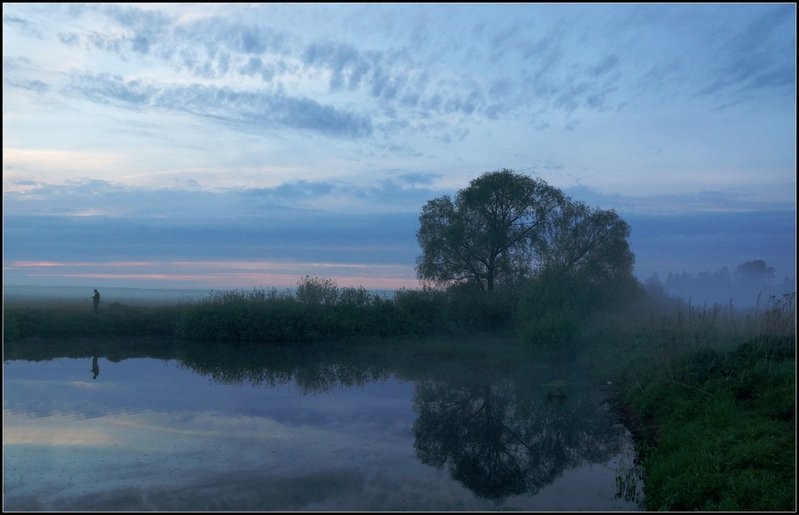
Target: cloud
(411, 76)
(399, 82)
(272, 248)
(418, 178)
(251, 38)
(605, 66)
(24, 26)
(395, 85)
(290, 193)
(253, 110)
(751, 59)
(397, 190)
(136, 32)
(719, 201)
(275, 221)
(64, 164)
(35, 86)
(218, 273)
(347, 65)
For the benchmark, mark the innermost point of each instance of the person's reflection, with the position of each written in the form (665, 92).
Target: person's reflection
(95, 368)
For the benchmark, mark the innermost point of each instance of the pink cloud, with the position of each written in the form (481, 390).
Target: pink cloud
(218, 274)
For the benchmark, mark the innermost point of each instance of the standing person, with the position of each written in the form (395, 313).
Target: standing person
(96, 300)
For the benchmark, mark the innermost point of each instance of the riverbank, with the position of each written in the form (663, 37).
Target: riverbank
(711, 400)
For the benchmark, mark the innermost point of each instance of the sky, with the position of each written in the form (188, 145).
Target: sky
(236, 146)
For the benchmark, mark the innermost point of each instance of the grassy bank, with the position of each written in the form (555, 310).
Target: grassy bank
(317, 311)
(710, 396)
(68, 319)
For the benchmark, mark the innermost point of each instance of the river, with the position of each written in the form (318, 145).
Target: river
(137, 425)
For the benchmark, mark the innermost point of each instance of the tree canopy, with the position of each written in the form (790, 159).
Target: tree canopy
(485, 235)
(506, 226)
(586, 242)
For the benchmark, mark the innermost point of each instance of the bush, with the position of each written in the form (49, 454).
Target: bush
(550, 310)
(317, 290)
(319, 311)
(470, 308)
(420, 311)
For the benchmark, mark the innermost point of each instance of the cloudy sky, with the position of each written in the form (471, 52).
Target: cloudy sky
(238, 146)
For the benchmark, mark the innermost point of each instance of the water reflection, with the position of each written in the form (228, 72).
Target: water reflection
(505, 430)
(314, 369)
(498, 440)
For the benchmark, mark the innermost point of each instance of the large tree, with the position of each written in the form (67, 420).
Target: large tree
(488, 234)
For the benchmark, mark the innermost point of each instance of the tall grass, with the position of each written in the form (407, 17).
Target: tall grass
(68, 319)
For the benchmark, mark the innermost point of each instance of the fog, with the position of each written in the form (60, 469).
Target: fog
(752, 285)
(39, 295)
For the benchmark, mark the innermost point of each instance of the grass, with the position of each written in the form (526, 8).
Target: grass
(710, 395)
(68, 319)
(724, 440)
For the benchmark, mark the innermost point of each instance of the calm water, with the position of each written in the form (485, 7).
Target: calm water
(139, 425)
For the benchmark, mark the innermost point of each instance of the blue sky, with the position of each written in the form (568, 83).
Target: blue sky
(230, 146)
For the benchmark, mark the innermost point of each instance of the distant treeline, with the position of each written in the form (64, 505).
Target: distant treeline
(750, 283)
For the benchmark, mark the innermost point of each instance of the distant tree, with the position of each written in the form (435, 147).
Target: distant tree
(653, 285)
(487, 235)
(754, 273)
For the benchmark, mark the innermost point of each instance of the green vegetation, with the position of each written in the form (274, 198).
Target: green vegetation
(318, 310)
(321, 311)
(710, 395)
(70, 320)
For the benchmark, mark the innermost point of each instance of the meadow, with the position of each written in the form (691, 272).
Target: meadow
(709, 393)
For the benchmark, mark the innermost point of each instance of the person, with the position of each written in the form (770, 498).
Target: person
(96, 300)
(95, 368)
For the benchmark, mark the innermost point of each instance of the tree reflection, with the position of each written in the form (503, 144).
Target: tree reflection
(314, 369)
(499, 441)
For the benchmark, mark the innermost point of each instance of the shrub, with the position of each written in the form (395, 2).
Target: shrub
(469, 307)
(550, 309)
(317, 290)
